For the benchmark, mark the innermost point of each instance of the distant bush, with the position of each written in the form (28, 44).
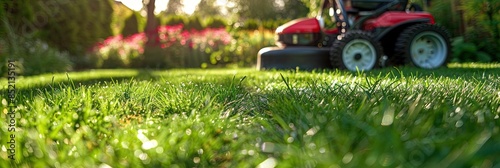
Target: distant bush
(33, 57)
(250, 24)
(215, 22)
(194, 23)
(131, 25)
(484, 42)
(468, 52)
(172, 20)
(75, 26)
(176, 47)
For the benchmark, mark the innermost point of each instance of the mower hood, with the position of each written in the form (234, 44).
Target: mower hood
(300, 26)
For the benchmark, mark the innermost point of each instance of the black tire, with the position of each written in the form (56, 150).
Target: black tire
(356, 50)
(424, 45)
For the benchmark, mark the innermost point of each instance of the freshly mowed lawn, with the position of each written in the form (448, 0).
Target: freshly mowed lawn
(403, 117)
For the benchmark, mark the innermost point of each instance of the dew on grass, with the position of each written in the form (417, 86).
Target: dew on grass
(322, 150)
(188, 132)
(312, 131)
(312, 146)
(388, 118)
(387, 160)
(267, 147)
(104, 165)
(196, 160)
(290, 139)
(149, 144)
(269, 162)
(71, 151)
(200, 151)
(459, 123)
(251, 152)
(141, 136)
(110, 150)
(347, 158)
(124, 144)
(159, 150)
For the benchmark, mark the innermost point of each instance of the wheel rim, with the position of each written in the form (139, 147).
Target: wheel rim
(359, 54)
(428, 50)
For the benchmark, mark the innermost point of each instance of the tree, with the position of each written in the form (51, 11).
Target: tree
(293, 9)
(207, 8)
(485, 13)
(131, 25)
(174, 7)
(313, 5)
(152, 57)
(74, 27)
(151, 22)
(256, 9)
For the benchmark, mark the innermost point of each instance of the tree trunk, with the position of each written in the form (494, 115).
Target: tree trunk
(151, 24)
(151, 57)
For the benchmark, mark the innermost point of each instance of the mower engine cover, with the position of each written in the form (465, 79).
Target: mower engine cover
(299, 32)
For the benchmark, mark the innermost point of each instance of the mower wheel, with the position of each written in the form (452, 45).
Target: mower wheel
(424, 45)
(356, 50)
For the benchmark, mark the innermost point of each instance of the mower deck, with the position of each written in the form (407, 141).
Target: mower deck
(307, 58)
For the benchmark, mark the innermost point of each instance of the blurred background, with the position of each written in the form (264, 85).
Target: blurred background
(45, 36)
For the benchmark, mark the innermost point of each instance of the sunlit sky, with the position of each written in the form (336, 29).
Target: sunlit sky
(161, 5)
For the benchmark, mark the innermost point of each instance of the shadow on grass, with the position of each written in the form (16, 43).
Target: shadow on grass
(32, 84)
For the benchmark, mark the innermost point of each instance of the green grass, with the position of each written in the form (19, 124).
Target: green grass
(404, 117)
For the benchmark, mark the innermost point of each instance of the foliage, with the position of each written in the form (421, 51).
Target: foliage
(174, 7)
(477, 22)
(85, 23)
(484, 13)
(243, 118)
(254, 24)
(250, 24)
(313, 5)
(483, 26)
(468, 52)
(256, 9)
(194, 23)
(294, 9)
(120, 14)
(208, 8)
(445, 14)
(175, 47)
(18, 14)
(215, 22)
(131, 25)
(172, 20)
(32, 57)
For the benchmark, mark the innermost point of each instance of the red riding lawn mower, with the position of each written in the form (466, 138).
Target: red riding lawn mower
(365, 34)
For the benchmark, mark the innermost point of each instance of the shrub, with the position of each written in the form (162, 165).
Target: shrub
(174, 48)
(75, 26)
(131, 25)
(215, 22)
(172, 20)
(251, 24)
(33, 57)
(468, 52)
(484, 42)
(194, 23)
